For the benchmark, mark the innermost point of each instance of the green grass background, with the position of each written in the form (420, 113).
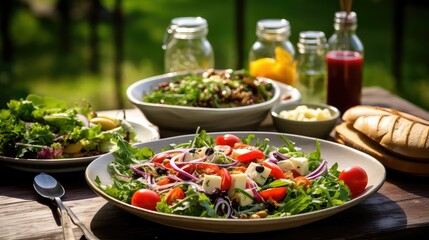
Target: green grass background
(41, 67)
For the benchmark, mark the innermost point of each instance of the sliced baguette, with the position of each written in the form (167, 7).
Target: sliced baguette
(398, 132)
(362, 110)
(345, 133)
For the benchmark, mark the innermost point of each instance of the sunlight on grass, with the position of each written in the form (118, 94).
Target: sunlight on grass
(40, 66)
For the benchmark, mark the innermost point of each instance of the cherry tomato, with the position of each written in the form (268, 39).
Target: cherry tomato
(145, 198)
(207, 168)
(295, 173)
(189, 168)
(160, 157)
(245, 146)
(276, 171)
(355, 178)
(302, 181)
(225, 149)
(227, 139)
(226, 179)
(163, 181)
(276, 194)
(250, 156)
(173, 195)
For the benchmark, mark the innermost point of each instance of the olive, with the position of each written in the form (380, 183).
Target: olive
(259, 169)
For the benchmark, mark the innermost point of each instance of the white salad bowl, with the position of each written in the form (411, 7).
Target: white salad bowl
(188, 119)
(98, 172)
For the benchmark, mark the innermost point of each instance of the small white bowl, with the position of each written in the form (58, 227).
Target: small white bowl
(188, 119)
(317, 129)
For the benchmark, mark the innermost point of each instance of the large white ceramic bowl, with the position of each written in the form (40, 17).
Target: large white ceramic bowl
(188, 119)
(334, 153)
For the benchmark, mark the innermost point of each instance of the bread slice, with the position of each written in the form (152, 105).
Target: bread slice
(363, 111)
(346, 134)
(398, 132)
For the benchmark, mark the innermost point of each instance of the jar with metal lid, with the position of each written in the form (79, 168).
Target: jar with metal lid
(186, 45)
(272, 55)
(311, 69)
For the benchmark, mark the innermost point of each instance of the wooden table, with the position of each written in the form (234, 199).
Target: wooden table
(400, 209)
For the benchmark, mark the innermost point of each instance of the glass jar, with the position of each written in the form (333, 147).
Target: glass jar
(186, 45)
(272, 55)
(311, 69)
(345, 63)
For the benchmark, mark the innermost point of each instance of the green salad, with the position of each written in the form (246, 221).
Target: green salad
(46, 128)
(228, 177)
(212, 89)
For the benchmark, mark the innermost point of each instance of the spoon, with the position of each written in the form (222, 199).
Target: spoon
(46, 186)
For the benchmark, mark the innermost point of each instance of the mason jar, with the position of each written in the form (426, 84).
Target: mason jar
(186, 45)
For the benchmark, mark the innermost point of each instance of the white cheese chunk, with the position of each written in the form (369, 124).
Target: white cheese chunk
(300, 164)
(239, 151)
(259, 178)
(237, 181)
(244, 199)
(285, 165)
(196, 154)
(211, 182)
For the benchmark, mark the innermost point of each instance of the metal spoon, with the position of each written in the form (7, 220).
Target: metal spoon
(46, 186)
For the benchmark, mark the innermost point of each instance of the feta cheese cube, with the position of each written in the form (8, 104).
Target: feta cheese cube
(300, 164)
(244, 199)
(239, 151)
(259, 178)
(237, 181)
(211, 182)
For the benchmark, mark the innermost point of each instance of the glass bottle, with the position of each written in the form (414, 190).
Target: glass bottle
(272, 55)
(345, 63)
(186, 45)
(311, 69)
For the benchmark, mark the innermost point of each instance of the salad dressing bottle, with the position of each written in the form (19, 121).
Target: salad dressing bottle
(345, 63)
(186, 45)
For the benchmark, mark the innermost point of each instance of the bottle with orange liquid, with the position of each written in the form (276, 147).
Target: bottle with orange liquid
(272, 55)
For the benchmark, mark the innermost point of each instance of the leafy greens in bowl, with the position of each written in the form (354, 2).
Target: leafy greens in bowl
(46, 128)
(212, 99)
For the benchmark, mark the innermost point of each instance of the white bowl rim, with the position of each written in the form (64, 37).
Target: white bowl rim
(134, 100)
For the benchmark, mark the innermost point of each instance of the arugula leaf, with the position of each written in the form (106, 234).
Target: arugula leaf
(194, 204)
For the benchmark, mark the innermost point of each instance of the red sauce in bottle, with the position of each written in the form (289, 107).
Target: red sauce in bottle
(344, 79)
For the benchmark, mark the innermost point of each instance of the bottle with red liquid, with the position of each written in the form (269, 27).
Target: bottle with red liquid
(344, 63)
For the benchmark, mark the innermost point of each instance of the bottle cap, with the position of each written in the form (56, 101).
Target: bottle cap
(312, 40)
(185, 28)
(343, 17)
(273, 28)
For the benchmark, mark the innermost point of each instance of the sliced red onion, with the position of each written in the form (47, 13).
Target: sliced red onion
(179, 150)
(180, 182)
(174, 177)
(253, 187)
(225, 165)
(139, 172)
(120, 175)
(319, 170)
(198, 160)
(179, 170)
(223, 205)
